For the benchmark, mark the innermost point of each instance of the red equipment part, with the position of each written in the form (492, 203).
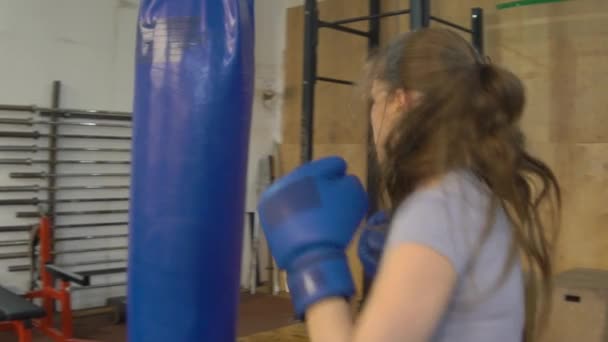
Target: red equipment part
(48, 294)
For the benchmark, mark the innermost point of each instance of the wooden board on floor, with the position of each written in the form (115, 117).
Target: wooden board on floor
(292, 333)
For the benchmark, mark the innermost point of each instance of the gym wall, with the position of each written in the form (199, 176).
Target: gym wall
(89, 47)
(559, 50)
(340, 121)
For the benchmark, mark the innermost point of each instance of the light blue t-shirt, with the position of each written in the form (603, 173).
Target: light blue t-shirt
(450, 218)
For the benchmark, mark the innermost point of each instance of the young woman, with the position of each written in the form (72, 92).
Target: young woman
(467, 207)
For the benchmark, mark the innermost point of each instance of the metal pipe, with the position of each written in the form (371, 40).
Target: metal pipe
(31, 122)
(17, 108)
(88, 225)
(21, 268)
(342, 28)
(32, 214)
(103, 271)
(451, 24)
(100, 114)
(369, 17)
(29, 227)
(28, 161)
(311, 35)
(36, 188)
(78, 288)
(372, 170)
(87, 114)
(335, 80)
(420, 14)
(36, 135)
(34, 148)
(10, 243)
(52, 158)
(17, 228)
(39, 175)
(37, 201)
(17, 255)
(477, 29)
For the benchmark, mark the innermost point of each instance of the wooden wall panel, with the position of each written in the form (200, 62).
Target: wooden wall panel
(560, 51)
(340, 126)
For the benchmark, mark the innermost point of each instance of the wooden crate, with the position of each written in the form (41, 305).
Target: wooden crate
(580, 307)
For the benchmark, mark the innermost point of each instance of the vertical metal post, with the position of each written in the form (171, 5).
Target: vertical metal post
(311, 32)
(477, 28)
(420, 14)
(426, 13)
(51, 181)
(372, 163)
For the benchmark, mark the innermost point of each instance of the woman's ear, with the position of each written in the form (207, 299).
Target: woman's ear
(401, 99)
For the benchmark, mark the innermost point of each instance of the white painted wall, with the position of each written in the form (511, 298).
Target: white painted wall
(88, 45)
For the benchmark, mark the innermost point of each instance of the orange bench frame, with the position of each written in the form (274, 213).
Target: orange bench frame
(48, 294)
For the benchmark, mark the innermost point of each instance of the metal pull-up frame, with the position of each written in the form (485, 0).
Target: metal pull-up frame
(420, 16)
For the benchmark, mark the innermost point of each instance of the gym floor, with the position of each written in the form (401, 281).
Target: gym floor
(262, 318)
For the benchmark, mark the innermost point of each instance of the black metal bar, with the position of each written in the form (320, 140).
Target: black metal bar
(36, 188)
(28, 227)
(89, 114)
(374, 24)
(426, 13)
(31, 122)
(30, 214)
(88, 200)
(19, 201)
(52, 158)
(477, 29)
(342, 28)
(105, 114)
(420, 14)
(105, 271)
(34, 148)
(36, 201)
(90, 250)
(21, 268)
(335, 80)
(74, 277)
(451, 24)
(17, 255)
(18, 108)
(41, 175)
(88, 225)
(11, 243)
(28, 161)
(372, 170)
(18, 228)
(369, 17)
(97, 286)
(36, 135)
(311, 34)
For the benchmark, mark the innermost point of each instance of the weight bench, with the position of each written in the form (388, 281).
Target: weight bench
(17, 313)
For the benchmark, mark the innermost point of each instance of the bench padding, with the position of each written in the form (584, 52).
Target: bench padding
(15, 308)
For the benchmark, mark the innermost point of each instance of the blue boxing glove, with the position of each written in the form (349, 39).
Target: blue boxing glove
(371, 242)
(309, 217)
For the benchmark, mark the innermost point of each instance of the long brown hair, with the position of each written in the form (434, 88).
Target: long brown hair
(468, 117)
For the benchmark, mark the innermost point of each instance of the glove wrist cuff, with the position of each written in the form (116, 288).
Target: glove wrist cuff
(330, 277)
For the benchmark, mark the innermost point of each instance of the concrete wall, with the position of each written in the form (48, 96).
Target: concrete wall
(89, 45)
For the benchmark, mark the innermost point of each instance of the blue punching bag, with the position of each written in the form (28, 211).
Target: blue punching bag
(192, 113)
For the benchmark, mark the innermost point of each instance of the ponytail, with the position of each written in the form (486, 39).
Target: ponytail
(468, 118)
